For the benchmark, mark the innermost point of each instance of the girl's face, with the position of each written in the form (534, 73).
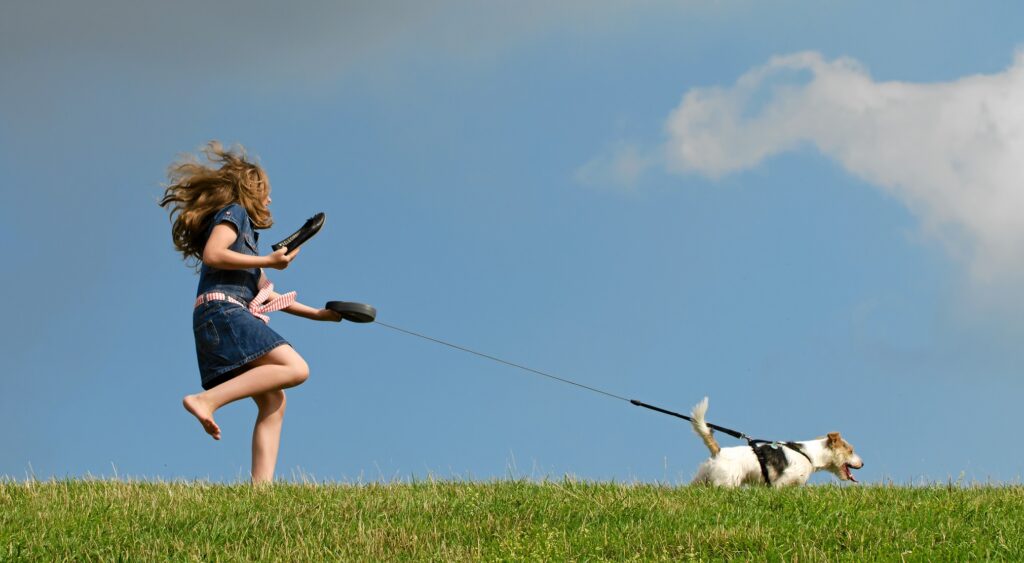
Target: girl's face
(266, 184)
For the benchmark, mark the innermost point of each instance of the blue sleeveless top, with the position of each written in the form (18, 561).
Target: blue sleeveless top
(239, 283)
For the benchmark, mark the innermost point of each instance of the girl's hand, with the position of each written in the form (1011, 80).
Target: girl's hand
(328, 315)
(279, 260)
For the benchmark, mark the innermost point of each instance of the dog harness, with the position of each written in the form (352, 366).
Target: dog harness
(259, 305)
(761, 448)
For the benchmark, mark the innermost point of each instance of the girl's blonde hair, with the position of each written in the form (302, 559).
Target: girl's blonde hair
(197, 190)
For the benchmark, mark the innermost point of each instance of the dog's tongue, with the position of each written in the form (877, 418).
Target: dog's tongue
(849, 474)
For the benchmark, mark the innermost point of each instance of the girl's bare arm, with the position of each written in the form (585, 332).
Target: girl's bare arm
(304, 311)
(218, 255)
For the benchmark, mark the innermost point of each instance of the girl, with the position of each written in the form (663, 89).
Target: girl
(216, 211)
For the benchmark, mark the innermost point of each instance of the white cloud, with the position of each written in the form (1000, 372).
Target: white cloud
(952, 152)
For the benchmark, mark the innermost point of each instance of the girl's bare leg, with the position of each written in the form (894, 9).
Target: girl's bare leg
(280, 368)
(266, 435)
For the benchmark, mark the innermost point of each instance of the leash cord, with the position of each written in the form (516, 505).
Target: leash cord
(506, 362)
(722, 429)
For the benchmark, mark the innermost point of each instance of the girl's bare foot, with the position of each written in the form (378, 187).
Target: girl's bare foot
(195, 405)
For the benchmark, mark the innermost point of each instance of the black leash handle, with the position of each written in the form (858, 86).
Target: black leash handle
(732, 433)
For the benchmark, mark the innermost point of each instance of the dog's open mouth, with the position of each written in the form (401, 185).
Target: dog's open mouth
(849, 474)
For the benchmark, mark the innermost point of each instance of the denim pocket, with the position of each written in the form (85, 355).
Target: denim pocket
(207, 338)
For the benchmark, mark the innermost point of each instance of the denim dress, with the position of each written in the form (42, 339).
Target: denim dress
(227, 335)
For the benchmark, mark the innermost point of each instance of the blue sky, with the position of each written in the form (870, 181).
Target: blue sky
(590, 189)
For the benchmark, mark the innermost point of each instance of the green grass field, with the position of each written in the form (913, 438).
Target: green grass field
(567, 520)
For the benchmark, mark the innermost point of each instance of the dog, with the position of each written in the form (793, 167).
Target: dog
(777, 464)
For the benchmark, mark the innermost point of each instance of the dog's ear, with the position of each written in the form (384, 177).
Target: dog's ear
(834, 439)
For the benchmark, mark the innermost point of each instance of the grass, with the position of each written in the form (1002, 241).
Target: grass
(509, 520)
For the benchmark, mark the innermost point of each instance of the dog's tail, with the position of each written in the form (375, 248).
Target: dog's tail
(701, 427)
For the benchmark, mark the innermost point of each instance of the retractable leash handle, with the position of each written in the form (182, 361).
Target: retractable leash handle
(353, 312)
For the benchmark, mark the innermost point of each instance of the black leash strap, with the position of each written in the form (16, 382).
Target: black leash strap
(732, 433)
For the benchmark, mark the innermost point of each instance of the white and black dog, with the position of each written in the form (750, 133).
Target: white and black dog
(777, 464)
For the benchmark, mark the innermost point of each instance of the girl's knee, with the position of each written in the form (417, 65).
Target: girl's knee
(300, 371)
(284, 357)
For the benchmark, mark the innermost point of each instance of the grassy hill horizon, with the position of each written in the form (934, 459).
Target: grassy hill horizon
(512, 519)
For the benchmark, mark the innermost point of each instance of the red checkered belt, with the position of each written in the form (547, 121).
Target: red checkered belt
(259, 305)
